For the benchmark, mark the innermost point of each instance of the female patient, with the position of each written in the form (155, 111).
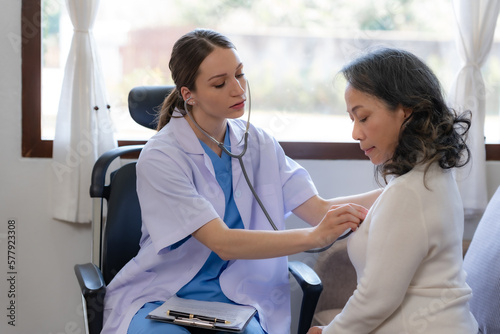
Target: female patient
(203, 235)
(407, 253)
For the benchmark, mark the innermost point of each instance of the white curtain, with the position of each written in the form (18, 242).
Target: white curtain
(476, 20)
(83, 129)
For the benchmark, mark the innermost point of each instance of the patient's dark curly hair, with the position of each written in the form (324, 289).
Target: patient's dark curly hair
(433, 132)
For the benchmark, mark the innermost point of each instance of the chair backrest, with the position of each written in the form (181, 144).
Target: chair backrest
(145, 101)
(482, 264)
(121, 230)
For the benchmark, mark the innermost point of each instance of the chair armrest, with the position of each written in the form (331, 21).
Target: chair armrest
(98, 178)
(93, 291)
(89, 278)
(311, 286)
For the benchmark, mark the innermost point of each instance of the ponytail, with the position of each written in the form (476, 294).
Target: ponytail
(172, 101)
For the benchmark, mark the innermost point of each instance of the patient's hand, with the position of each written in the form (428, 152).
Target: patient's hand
(315, 330)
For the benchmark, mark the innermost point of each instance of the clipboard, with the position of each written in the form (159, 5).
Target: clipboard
(204, 314)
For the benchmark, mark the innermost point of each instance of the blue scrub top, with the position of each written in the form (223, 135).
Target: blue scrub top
(205, 285)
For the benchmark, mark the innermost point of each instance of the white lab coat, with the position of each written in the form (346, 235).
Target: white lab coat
(178, 193)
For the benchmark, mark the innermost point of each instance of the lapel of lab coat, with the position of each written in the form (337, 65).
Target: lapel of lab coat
(189, 142)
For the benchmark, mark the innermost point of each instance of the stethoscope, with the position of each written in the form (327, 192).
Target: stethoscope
(239, 157)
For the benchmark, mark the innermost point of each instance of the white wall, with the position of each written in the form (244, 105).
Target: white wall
(46, 293)
(47, 297)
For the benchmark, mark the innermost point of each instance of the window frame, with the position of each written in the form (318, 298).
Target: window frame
(33, 146)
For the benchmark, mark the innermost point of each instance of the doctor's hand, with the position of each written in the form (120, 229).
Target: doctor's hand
(336, 221)
(315, 330)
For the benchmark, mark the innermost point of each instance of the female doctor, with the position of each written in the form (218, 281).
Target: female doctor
(203, 235)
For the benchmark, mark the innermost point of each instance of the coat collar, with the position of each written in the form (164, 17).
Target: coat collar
(184, 135)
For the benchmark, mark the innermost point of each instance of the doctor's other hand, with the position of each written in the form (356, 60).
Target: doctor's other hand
(337, 220)
(315, 330)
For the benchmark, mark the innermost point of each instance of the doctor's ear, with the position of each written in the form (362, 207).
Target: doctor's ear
(187, 95)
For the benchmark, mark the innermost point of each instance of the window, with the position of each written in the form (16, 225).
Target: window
(290, 59)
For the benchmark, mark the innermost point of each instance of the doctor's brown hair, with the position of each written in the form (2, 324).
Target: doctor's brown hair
(187, 55)
(433, 132)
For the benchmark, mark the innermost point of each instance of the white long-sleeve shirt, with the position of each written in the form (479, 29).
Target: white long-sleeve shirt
(408, 259)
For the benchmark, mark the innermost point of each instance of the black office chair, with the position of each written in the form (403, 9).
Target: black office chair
(118, 230)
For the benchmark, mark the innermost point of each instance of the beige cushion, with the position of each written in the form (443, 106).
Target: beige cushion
(338, 276)
(323, 318)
